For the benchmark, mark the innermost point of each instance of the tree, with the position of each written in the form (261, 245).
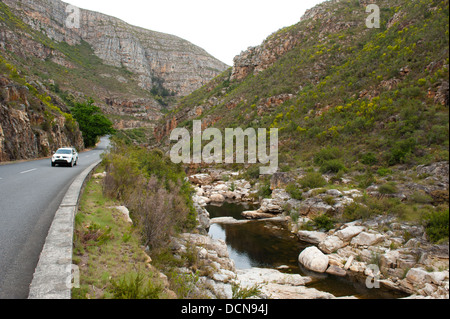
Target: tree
(93, 123)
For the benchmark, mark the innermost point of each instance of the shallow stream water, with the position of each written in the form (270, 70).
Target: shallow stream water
(269, 244)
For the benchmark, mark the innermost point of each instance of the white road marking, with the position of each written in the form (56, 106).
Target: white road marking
(31, 170)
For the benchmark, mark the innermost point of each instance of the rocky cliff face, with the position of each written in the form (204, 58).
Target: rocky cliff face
(182, 66)
(28, 129)
(259, 58)
(130, 72)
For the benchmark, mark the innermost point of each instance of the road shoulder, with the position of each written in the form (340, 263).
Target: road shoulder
(53, 274)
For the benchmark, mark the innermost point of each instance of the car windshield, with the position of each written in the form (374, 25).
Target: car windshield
(64, 152)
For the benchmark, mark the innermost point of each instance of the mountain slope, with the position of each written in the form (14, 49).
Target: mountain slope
(377, 96)
(31, 125)
(131, 72)
(182, 65)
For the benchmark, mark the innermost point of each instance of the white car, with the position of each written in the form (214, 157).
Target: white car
(65, 156)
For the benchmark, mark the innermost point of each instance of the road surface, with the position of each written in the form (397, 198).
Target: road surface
(30, 194)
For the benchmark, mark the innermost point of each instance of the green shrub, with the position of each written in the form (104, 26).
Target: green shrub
(356, 211)
(153, 188)
(401, 150)
(327, 154)
(313, 180)
(388, 188)
(324, 222)
(294, 191)
(365, 180)
(245, 293)
(437, 226)
(421, 198)
(384, 171)
(295, 215)
(135, 286)
(332, 166)
(438, 134)
(329, 200)
(252, 172)
(264, 190)
(369, 159)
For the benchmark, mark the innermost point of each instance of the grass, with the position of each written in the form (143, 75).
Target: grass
(113, 255)
(108, 251)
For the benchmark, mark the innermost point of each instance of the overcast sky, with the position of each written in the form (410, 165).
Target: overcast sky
(223, 28)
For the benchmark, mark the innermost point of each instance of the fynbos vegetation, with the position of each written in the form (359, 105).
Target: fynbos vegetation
(153, 188)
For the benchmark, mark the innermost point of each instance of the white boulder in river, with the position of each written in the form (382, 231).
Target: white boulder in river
(313, 259)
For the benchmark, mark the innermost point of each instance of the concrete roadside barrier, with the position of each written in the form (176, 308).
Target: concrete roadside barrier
(53, 276)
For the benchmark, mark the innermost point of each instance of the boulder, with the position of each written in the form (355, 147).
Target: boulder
(313, 259)
(217, 198)
(348, 233)
(280, 180)
(125, 212)
(367, 239)
(221, 188)
(254, 276)
(314, 207)
(334, 192)
(337, 271)
(227, 220)
(312, 237)
(99, 175)
(331, 244)
(256, 214)
(417, 276)
(437, 277)
(270, 206)
(280, 196)
(199, 191)
(349, 262)
(389, 259)
(201, 179)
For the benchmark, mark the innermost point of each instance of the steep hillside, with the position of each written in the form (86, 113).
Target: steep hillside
(131, 72)
(344, 97)
(32, 123)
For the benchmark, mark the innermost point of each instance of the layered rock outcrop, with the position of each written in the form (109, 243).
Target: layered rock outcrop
(259, 58)
(28, 129)
(182, 66)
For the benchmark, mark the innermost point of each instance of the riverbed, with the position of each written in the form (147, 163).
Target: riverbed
(270, 244)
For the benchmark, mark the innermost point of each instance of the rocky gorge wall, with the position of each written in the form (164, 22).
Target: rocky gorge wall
(28, 129)
(182, 66)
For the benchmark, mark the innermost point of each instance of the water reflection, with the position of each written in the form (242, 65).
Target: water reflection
(228, 209)
(259, 244)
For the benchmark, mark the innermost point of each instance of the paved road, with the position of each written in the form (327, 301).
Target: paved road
(30, 194)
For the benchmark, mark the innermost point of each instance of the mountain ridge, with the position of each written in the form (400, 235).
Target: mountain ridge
(133, 74)
(120, 44)
(329, 79)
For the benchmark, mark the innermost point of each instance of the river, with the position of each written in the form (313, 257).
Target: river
(269, 244)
